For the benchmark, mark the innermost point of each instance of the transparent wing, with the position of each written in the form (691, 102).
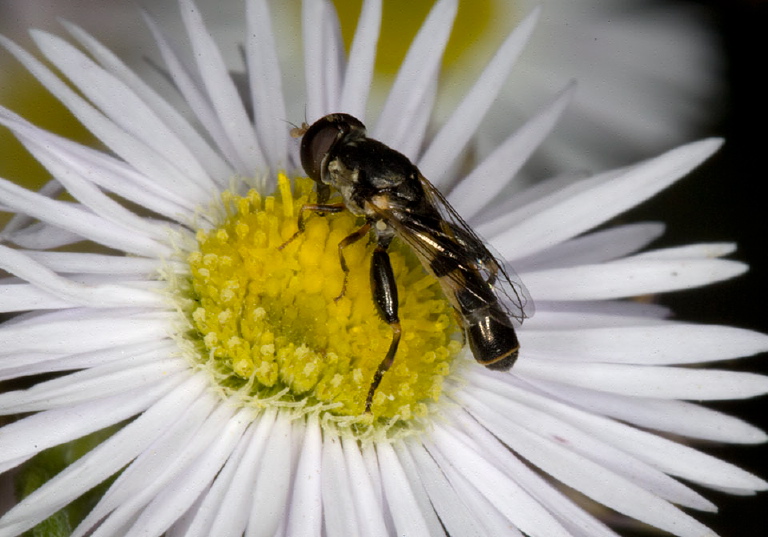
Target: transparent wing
(451, 250)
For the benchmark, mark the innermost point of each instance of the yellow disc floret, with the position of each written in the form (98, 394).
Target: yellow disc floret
(270, 326)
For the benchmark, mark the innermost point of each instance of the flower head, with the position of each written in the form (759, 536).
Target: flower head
(219, 329)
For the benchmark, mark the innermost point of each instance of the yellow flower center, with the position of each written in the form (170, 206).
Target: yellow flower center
(267, 325)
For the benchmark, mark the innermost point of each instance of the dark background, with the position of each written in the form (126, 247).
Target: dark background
(726, 200)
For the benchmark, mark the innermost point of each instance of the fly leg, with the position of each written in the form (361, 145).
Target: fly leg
(320, 208)
(350, 239)
(384, 289)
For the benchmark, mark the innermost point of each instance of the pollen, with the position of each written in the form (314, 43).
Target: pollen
(269, 320)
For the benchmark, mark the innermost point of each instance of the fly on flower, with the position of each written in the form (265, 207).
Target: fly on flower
(382, 185)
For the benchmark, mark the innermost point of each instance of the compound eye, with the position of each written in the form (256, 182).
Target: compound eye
(316, 143)
(321, 138)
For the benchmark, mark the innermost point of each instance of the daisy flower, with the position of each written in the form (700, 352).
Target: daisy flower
(169, 301)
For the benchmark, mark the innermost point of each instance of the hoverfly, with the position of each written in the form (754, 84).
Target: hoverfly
(383, 186)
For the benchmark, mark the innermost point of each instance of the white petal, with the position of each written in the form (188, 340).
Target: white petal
(367, 504)
(594, 201)
(668, 456)
(77, 220)
(78, 262)
(735, 491)
(454, 513)
(33, 364)
(37, 362)
(59, 425)
(597, 247)
(540, 194)
(691, 251)
(229, 515)
(305, 517)
(272, 484)
(404, 116)
(628, 278)
(339, 514)
(372, 465)
(670, 343)
(631, 477)
(240, 497)
(25, 297)
(593, 480)
(423, 499)
(221, 90)
(91, 385)
(191, 139)
(68, 170)
(195, 97)
(483, 185)
(671, 457)
(362, 55)
(181, 527)
(10, 464)
(68, 361)
(181, 442)
(649, 381)
(603, 314)
(492, 520)
(266, 85)
(41, 236)
(96, 329)
(213, 512)
(678, 417)
(175, 498)
(96, 296)
(102, 461)
(322, 57)
(108, 172)
(51, 189)
(454, 135)
(128, 110)
(523, 510)
(403, 504)
(144, 158)
(575, 519)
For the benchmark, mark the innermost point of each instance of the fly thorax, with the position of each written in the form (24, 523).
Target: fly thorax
(347, 181)
(340, 175)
